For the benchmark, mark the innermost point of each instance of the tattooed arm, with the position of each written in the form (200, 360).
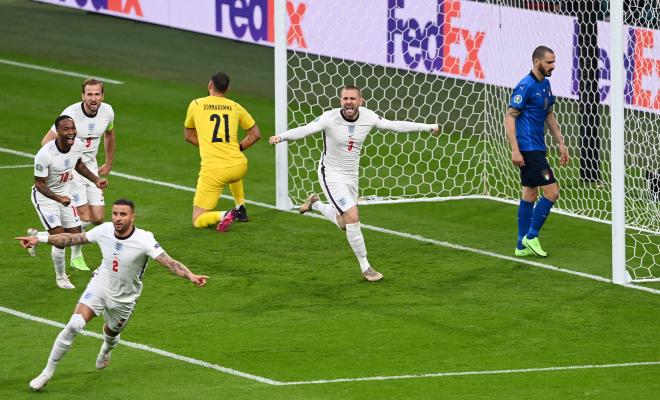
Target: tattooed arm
(59, 240)
(181, 270)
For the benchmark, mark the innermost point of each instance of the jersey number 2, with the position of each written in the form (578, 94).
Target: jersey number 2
(216, 118)
(115, 265)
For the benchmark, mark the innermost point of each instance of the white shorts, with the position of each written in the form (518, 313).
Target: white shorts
(53, 214)
(342, 194)
(115, 314)
(85, 192)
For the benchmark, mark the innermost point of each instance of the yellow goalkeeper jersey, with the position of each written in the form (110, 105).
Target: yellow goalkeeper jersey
(216, 120)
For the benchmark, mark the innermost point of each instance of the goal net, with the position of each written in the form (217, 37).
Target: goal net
(455, 63)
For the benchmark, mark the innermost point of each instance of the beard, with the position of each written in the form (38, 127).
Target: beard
(545, 72)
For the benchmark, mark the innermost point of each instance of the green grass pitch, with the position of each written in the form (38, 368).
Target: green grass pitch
(286, 301)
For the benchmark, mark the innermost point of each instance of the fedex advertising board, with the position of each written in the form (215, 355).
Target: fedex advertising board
(455, 38)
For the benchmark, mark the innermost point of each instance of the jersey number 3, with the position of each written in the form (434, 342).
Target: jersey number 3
(216, 118)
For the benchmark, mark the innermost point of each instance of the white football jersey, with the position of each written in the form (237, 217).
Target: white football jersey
(124, 260)
(343, 139)
(58, 168)
(90, 129)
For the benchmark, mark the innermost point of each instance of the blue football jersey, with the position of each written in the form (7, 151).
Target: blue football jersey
(533, 98)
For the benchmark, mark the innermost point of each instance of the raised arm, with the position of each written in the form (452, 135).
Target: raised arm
(405, 126)
(109, 145)
(252, 136)
(556, 134)
(100, 183)
(297, 133)
(510, 129)
(59, 240)
(181, 270)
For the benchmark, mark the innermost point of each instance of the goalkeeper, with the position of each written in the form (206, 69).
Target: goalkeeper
(344, 131)
(529, 108)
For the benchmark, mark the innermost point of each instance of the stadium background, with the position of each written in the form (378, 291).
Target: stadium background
(285, 300)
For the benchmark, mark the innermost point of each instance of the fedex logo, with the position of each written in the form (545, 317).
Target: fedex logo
(120, 6)
(432, 43)
(256, 18)
(641, 64)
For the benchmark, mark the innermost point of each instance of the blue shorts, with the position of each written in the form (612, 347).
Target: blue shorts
(537, 171)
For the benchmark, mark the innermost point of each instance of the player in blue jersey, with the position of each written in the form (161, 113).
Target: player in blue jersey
(530, 108)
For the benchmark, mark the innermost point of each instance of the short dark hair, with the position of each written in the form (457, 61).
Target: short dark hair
(350, 87)
(124, 202)
(59, 119)
(540, 52)
(220, 82)
(92, 82)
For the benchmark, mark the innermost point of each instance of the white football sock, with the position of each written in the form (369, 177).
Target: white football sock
(57, 255)
(356, 240)
(327, 210)
(109, 343)
(63, 342)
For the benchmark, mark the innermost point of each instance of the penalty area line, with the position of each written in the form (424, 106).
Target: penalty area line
(58, 71)
(382, 230)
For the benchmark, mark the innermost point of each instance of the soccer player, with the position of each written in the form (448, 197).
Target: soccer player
(344, 131)
(529, 108)
(53, 173)
(212, 125)
(115, 286)
(93, 119)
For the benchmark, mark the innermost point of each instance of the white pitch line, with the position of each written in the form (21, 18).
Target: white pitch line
(273, 382)
(15, 166)
(464, 373)
(386, 231)
(57, 71)
(150, 349)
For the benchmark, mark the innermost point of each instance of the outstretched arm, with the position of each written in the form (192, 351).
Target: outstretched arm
(59, 240)
(181, 270)
(297, 133)
(510, 129)
(556, 133)
(405, 126)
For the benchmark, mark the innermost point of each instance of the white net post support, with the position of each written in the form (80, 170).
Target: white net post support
(282, 201)
(619, 273)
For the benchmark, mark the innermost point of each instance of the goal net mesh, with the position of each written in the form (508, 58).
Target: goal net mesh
(471, 157)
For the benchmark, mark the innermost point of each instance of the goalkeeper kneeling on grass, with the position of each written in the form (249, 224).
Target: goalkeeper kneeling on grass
(529, 108)
(344, 131)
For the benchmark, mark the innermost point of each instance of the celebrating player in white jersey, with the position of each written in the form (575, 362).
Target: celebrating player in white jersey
(93, 119)
(344, 131)
(54, 167)
(115, 286)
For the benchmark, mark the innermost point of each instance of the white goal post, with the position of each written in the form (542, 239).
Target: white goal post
(455, 62)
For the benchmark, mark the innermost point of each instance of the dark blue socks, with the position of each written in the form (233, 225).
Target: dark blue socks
(541, 212)
(525, 213)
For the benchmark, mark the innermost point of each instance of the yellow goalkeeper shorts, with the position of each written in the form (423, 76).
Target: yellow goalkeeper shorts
(211, 181)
